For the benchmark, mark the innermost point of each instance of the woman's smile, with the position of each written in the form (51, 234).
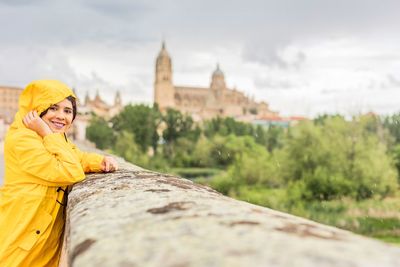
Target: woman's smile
(58, 125)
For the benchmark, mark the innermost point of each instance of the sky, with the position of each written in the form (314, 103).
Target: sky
(303, 57)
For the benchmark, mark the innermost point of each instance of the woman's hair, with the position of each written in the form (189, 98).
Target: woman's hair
(73, 102)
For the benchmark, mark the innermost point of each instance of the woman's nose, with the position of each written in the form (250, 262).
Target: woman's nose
(60, 114)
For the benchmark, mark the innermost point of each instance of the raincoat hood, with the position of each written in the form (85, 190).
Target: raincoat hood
(40, 95)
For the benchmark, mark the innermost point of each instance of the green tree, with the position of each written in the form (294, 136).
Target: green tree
(274, 138)
(100, 133)
(126, 147)
(338, 158)
(178, 125)
(392, 124)
(221, 151)
(320, 119)
(142, 121)
(227, 126)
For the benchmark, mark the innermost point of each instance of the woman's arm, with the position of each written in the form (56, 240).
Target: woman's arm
(92, 162)
(50, 159)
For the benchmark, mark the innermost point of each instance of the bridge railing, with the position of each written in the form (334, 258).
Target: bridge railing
(136, 217)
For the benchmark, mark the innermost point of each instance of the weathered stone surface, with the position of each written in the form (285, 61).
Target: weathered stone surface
(140, 218)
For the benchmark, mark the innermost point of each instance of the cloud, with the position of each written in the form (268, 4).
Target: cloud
(393, 81)
(22, 2)
(124, 10)
(384, 82)
(270, 83)
(282, 56)
(261, 45)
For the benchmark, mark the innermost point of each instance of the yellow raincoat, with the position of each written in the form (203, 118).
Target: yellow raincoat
(36, 169)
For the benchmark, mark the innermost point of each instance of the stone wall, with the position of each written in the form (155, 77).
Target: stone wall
(136, 217)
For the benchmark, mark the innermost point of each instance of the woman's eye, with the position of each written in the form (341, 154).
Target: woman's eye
(68, 111)
(53, 108)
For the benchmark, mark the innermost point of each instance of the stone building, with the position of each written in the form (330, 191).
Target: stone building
(8, 107)
(99, 107)
(204, 103)
(95, 106)
(9, 102)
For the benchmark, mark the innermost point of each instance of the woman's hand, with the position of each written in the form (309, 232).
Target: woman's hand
(109, 164)
(35, 123)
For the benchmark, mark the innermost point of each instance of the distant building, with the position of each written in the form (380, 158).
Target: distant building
(95, 106)
(3, 129)
(284, 122)
(99, 107)
(204, 103)
(9, 97)
(8, 107)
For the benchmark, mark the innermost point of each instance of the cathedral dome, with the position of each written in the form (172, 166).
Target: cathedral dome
(163, 61)
(218, 79)
(218, 72)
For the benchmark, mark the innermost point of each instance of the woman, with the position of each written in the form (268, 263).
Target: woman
(40, 163)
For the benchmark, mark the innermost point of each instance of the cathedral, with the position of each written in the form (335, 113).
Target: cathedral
(204, 103)
(95, 106)
(99, 107)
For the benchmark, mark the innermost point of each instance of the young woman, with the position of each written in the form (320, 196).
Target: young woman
(40, 164)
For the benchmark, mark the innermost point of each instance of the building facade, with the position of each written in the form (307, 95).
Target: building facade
(95, 106)
(204, 103)
(9, 102)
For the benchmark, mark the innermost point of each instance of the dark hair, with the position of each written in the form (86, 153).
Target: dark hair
(73, 102)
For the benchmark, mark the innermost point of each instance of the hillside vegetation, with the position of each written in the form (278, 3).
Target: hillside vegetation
(342, 172)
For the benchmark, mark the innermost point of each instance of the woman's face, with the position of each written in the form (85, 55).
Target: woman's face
(59, 116)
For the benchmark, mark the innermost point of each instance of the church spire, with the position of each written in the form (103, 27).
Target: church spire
(163, 87)
(117, 100)
(163, 66)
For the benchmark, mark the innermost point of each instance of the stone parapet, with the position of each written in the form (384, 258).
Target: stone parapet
(135, 217)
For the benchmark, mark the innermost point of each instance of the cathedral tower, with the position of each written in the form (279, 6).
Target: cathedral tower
(218, 85)
(163, 87)
(218, 80)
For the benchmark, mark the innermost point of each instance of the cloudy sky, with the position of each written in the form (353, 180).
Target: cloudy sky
(303, 57)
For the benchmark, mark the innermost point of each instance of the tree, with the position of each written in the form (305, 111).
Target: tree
(227, 126)
(392, 123)
(126, 147)
(178, 125)
(100, 133)
(338, 158)
(142, 121)
(274, 138)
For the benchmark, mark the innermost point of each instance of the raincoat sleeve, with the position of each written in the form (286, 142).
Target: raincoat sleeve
(50, 159)
(90, 162)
